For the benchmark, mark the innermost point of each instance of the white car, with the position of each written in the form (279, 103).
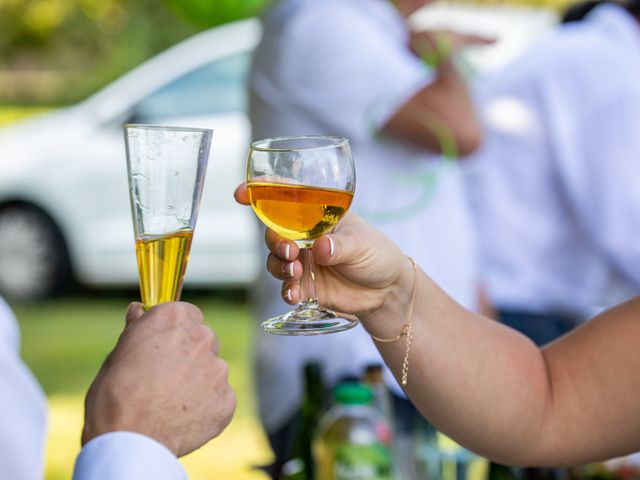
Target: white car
(64, 204)
(64, 201)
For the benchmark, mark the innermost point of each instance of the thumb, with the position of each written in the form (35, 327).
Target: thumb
(342, 246)
(134, 312)
(325, 250)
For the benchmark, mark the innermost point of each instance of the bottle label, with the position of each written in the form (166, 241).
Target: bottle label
(362, 462)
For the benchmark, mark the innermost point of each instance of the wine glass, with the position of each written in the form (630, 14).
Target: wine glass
(301, 187)
(166, 168)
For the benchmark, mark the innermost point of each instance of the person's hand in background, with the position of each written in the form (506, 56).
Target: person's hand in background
(437, 46)
(163, 380)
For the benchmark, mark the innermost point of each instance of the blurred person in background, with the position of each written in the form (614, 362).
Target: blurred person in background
(555, 188)
(346, 68)
(161, 393)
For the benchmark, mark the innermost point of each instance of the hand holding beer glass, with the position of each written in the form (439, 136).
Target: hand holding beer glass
(301, 187)
(166, 169)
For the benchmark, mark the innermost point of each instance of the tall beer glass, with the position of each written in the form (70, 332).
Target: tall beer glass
(166, 168)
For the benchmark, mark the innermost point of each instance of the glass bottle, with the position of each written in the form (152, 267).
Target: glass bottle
(348, 444)
(313, 406)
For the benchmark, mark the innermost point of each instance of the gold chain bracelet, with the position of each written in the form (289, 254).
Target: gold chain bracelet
(407, 328)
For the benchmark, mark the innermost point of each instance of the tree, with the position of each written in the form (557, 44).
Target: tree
(59, 51)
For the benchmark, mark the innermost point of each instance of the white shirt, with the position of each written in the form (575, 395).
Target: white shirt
(556, 188)
(127, 456)
(23, 421)
(23, 408)
(343, 68)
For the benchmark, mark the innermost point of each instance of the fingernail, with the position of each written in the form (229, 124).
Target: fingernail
(286, 251)
(287, 294)
(332, 247)
(290, 268)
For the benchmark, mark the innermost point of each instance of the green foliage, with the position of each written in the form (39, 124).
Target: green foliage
(59, 51)
(208, 13)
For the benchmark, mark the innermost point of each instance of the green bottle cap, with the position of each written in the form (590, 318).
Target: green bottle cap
(352, 394)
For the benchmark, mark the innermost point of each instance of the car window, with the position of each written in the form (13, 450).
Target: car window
(217, 87)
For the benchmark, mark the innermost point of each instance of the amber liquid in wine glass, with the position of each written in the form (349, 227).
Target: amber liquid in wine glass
(300, 187)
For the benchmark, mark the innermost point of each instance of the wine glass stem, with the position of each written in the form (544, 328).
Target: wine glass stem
(308, 298)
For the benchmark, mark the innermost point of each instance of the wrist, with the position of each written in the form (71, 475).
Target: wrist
(90, 432)
(114, 414)
(388, 319)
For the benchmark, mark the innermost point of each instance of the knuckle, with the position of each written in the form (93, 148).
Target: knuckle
(193, 312)
(220, 374)
(223, 368)
(186, 310)
(271, 239)
(272, 265)
(231, 401)
(170, 312)
(182, 312)
(204, 337)
(215, 341)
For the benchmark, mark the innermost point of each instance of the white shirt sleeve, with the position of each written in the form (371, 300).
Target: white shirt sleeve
(127, 456)
(9, 331)
(341, 69)
(23, 408)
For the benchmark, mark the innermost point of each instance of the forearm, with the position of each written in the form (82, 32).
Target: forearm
(441, 118)
(491, 389)
(456, 109)
(485, 385)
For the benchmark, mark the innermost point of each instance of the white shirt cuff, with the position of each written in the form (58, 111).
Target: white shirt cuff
(126, 456)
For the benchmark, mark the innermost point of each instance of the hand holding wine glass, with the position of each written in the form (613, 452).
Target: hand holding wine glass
(301, 187)
(357, 267)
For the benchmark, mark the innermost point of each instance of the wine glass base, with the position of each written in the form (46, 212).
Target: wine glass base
(309, 321)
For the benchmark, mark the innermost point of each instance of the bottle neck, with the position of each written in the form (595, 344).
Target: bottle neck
(313, 390)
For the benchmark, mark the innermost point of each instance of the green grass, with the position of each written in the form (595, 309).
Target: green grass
(65, 341)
